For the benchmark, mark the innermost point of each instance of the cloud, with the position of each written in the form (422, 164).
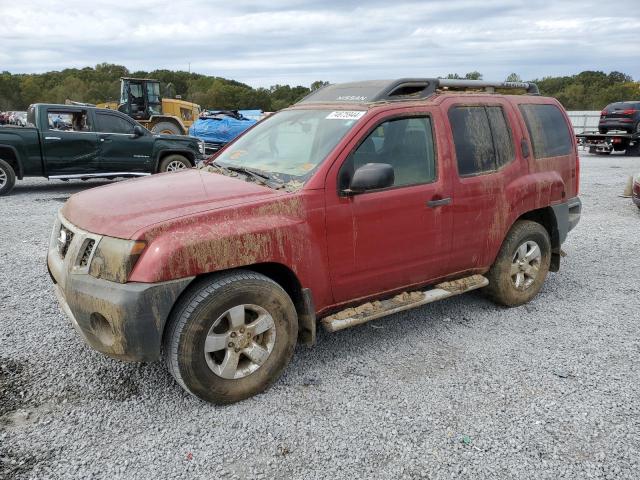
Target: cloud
(290, 41)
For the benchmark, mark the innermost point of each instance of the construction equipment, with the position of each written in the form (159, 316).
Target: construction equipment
(140, 99)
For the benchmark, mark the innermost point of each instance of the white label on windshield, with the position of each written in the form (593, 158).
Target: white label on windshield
(346, 115)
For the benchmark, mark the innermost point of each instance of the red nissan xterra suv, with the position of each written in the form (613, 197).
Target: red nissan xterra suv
(361, 200)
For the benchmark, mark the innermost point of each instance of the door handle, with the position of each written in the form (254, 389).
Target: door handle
(438, 203)
(52, 138)
(102, 139)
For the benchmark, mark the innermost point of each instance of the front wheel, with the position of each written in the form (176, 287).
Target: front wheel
(167, 128)
(174, 163)
(230, 336)
(7, 178)
(522, 264)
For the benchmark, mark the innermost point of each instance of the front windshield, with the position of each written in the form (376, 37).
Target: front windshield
(290, 145)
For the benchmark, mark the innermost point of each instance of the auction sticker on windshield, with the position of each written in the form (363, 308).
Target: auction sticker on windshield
(346, 115)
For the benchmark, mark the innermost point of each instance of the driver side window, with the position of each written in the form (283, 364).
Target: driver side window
(404, 143)
(109, 123)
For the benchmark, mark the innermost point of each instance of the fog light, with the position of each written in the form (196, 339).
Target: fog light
(101, 329)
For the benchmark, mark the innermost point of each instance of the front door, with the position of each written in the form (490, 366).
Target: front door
(121, 151)
(70, 147)
(395, 237)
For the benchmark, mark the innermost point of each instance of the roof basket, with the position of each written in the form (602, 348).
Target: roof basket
(404, 89)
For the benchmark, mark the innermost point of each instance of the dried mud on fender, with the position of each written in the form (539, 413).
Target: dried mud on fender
(238, 237)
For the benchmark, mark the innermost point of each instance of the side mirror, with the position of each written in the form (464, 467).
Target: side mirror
(372, 176)
(138, 131)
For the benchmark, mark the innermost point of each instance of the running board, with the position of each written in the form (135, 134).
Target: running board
(404, 301)
(97, 175)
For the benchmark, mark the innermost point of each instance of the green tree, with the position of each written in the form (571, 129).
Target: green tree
(475, 75)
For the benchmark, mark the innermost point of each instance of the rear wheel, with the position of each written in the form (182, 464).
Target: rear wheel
(230, 336)
(7, 178)
(168, 128)
(174, 163)
(522, 264)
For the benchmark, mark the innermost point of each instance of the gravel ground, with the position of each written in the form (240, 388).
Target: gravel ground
(459, 388)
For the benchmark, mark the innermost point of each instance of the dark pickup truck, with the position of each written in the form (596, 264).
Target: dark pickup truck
(79, 142)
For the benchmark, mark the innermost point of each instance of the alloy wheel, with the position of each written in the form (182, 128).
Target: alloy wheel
(525, 265)
(240, 341)
(175, 166)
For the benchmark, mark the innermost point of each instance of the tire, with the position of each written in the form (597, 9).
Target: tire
(7, 178)
(168, 128)
(603, 130)
(502, 286)
(174, 163)
(209, 310)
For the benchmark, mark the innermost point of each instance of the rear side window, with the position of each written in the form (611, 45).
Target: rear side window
(548, 130)
(108, 123)
(482, 139)
(73, 121)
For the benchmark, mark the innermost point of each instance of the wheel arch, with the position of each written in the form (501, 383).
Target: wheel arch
(165, 153)
(9, 154)
(302, 298)
(548, 218)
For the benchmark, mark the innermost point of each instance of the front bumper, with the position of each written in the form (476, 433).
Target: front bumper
(122, 320)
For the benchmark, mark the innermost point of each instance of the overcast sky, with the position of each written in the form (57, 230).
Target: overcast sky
(296, 42)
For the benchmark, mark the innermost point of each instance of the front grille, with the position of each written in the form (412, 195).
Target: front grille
(212, 147)
(65, 236)
(86, 253)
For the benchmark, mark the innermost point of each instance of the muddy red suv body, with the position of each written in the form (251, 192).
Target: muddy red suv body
(133, 262)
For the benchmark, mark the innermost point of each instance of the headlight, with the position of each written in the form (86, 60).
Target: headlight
(114, 258)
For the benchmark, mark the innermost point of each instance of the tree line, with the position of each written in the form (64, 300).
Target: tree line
(589, 90)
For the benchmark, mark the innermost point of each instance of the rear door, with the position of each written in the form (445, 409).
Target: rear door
(69, 144)
(395, 237)
(487, 160)
(121, 151)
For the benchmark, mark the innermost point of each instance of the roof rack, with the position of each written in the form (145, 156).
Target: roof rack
(531, 88)
(404, 89)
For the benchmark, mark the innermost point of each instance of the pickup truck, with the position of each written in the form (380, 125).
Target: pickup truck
(79, 142)
(362, 200)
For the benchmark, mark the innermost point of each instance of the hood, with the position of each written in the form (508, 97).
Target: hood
(181, 138)
(123, 208)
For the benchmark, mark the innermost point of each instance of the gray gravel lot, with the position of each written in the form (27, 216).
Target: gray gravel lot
(459, 388)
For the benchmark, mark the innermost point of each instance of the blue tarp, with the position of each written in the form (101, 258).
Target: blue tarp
(221, 128)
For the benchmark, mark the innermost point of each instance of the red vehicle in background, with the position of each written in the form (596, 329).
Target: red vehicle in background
(362, 200)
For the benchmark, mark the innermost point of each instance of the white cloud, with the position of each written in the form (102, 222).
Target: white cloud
(297, 42)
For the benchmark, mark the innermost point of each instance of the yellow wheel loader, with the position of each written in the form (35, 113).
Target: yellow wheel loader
(140, 99)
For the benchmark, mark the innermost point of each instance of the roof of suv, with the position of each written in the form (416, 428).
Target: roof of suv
(404, 89)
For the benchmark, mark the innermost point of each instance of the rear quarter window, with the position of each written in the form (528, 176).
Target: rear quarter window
(548, 130)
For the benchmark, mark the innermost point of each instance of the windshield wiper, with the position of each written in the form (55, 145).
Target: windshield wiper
(257, 175)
